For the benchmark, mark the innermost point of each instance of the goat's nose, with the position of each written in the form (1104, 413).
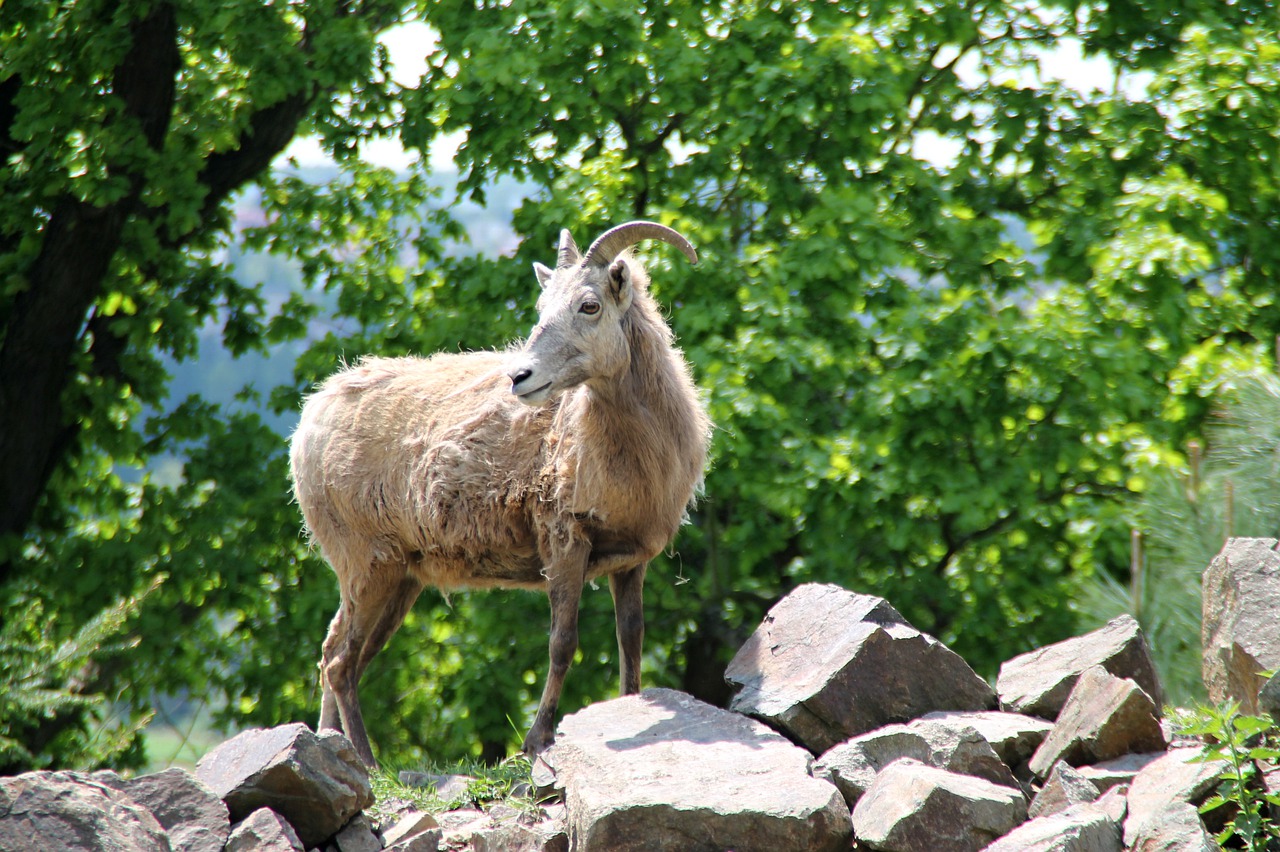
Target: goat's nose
(519, 374)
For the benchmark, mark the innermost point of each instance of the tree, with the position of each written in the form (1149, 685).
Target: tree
(126, 129)
(938, 379)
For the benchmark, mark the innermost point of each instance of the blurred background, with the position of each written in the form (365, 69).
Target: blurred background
(985, 318)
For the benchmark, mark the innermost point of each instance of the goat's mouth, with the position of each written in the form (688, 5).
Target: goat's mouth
(533, 396)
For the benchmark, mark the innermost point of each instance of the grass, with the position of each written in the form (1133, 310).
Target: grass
(509, 783)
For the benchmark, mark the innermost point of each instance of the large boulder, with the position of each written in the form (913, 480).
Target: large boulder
(853, 764)
(1104, 717)
(192, 815)
(1239, 630)
(911, 807)
(72, 812)
(827, 664)
(1038, 682)
(315, 781)
(662, 770)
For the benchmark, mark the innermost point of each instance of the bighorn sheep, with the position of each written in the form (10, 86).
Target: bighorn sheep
(570, 458)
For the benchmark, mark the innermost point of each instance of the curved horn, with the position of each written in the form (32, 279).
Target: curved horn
(616, 240)
(568, 254)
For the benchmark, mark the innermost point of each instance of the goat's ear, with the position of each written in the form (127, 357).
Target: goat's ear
(620, 280)
(543, 273)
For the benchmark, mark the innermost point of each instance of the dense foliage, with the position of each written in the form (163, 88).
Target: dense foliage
(951, 312)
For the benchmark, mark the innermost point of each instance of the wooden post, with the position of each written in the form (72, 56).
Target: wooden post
(1135, 572)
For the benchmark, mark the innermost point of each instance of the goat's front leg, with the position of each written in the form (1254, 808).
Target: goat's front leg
(564, 588)
(628, 609)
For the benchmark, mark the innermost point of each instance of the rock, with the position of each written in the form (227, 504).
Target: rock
(357, 836)
(852, 765)
(70, 811)
(827, 664)
(316, 782)
(1082, 828)
(409, 825)
(1014, 736)
(423, 841)
(1177, 828)
(1169, 782)
(1114, 803)
(448, 788)
(1119, 771)
(1269, 698)
(1038, 683)
(1104, 717)
(458, 827)
(264, 830)
(911, 807)
(517, 837)
(662, 770)
(1239, 632)
(1065, 788)
(192, 815)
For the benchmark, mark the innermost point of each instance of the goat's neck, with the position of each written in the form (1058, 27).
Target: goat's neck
(650, 385)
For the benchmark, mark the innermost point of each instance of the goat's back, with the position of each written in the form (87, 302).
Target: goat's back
(421, 461)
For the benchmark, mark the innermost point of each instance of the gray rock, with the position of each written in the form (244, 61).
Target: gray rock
(1038, 682)
(1177, 828)
(1014, 736)
(662, 770)
(827, 664)
(448, 788)
(407, 826)
(911, 807)
(1239, 630)
(852, 765)
(423, 841)
(264, 830)
(69, 812)
(1114, 802)
(1082, 828)
(1269, 697)
(1065, 788)
(193, 816)
(1175, 779)
(357, 836)
(316, 782)
(1104, 717)
(1119, 771)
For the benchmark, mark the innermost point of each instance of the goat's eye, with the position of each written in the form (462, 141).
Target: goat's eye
(589, 308)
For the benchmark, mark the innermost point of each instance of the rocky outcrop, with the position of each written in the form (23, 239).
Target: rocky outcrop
(850, 728)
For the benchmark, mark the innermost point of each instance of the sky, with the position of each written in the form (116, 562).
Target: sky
(409, 43)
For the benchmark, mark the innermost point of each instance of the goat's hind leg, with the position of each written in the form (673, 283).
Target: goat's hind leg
(627, 588)
(364, 623)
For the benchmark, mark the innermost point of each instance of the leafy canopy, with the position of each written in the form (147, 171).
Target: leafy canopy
(941, 379)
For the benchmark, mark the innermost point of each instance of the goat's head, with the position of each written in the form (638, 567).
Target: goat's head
(581, 332)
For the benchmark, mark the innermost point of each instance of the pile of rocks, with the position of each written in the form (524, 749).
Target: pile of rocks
(849, 728)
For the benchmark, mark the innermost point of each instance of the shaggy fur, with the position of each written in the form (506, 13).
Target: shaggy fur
(415, 472)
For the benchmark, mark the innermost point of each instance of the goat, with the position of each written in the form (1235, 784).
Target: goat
(571, 457)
